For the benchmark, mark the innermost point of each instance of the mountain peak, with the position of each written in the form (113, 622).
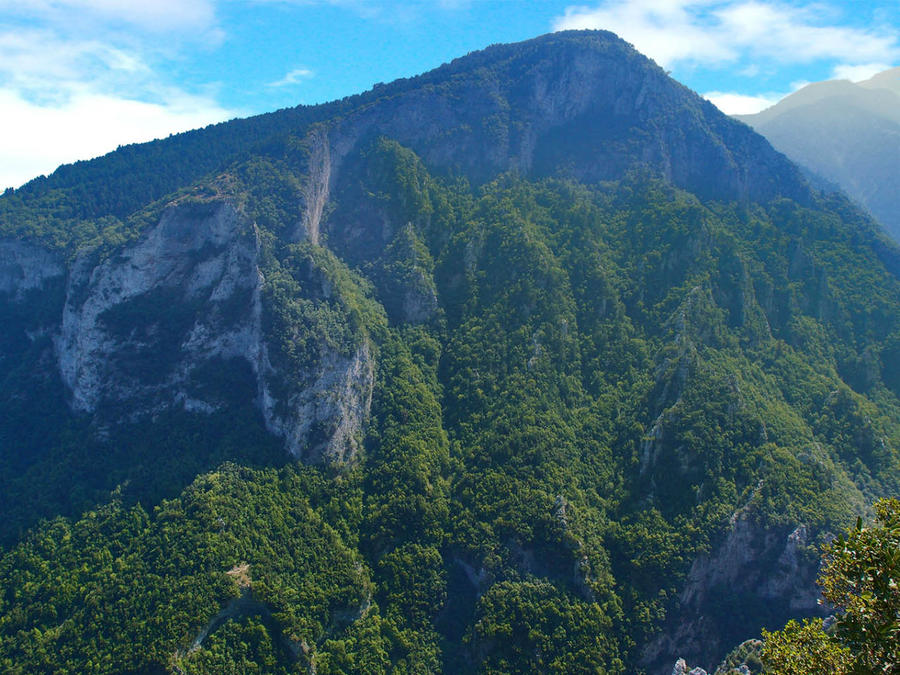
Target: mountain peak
(582, 104)
(577, 104)
(848, 133)
(886, 79)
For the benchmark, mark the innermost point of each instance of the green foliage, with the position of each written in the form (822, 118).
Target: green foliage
(145, 461)
(103, 200)
(532, 627)
(246, 646)
(129, 592)
(747, 654)
(804, 649)
(861, 579)
(575, 389)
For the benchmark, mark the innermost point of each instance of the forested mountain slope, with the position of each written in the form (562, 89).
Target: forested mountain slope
(533, 363)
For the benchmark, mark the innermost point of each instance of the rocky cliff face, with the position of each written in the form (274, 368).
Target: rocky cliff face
(582, 105)
(136, 325)
(759, 570)
(140, 330)
(24, 268)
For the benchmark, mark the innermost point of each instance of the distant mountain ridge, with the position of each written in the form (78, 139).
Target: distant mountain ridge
(536, 362)
(848, 133)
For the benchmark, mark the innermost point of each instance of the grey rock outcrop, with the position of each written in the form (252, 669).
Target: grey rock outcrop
(752, 565)
(25, 267)
(324, 420)
(317, 186)
(739, 563)
(172, 293)
(135, 331)
(682, 668)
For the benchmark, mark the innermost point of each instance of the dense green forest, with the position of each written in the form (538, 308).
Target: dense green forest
(580, 389)
(513, 508)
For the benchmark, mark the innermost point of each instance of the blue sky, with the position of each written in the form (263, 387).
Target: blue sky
(79, 77)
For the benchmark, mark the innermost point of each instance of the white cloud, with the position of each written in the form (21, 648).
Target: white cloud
(858, 73)
(732, 103)
(295, 76)
(715, 32)
(796, 34)
(153, 14)
(44, 65)
(666, 30)
(68, 98)
(36, 138)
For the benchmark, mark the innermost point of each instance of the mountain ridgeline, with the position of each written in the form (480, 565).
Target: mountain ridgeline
(847, 133)
(533, 363)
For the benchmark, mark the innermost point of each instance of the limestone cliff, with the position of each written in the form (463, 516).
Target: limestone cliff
(136, 330)
(760, 571)
(25, 267)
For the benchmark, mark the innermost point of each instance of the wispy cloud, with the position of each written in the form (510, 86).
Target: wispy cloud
(294, 77)
(718, 32)
(798, 34)
(151, 15)
(666, 30)
(44, 66)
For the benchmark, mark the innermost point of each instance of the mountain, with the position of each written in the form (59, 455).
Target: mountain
(536, 362)
(847, 133)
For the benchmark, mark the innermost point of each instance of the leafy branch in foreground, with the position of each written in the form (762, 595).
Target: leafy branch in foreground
(861, 578)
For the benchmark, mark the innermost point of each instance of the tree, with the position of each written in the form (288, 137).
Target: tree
(861, 578)
(804, 649)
